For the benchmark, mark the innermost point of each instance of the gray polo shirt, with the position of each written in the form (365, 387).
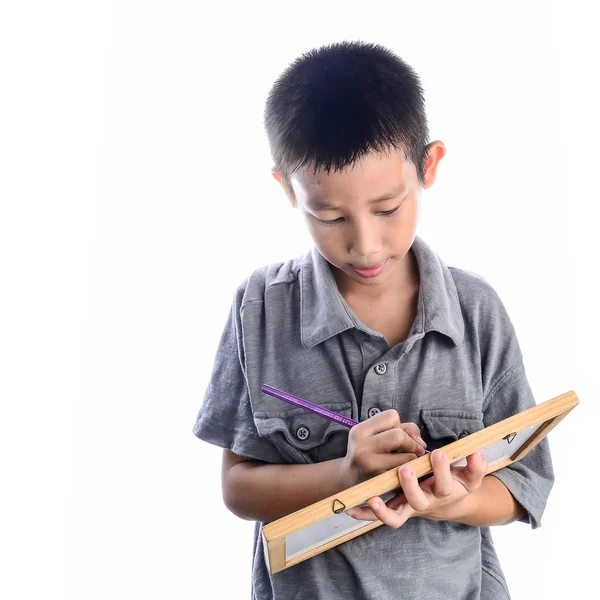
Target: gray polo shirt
(459, 370)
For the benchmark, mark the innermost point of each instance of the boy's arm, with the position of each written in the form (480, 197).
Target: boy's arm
(491, 504)
(260, 491)
(256, 485)
(530, 479)
(265, 492)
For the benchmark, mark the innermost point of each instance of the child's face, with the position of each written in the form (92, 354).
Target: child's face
(363, 220)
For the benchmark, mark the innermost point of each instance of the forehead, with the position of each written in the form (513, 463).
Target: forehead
(376, 173)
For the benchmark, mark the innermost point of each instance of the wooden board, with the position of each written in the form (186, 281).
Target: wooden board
(325, 524)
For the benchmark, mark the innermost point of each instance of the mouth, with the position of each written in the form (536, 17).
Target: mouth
(369, 272)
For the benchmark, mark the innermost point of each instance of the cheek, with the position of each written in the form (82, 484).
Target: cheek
(327, 239)
(404, 225)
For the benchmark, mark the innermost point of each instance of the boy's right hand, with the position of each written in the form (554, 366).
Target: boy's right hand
(379, 444)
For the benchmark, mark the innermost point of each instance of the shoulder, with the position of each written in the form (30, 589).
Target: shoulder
(488, 326)
(484, 313)
(275, 277)
(478, 299)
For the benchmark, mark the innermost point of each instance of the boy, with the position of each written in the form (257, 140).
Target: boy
(371, 324)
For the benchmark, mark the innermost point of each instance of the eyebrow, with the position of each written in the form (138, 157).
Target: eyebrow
(316, 204)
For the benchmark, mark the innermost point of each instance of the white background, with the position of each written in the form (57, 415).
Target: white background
(135, 195)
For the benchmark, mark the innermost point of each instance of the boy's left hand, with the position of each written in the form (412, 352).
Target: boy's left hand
(435, 498)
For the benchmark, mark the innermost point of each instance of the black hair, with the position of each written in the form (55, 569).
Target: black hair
(336, 103)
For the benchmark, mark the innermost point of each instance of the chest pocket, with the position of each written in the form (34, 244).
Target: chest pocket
(444, 426)
(303, 437)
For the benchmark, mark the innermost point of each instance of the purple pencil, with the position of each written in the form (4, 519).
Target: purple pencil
(313, 408)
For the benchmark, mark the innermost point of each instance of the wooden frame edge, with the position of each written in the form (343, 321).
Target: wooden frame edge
(548, 413)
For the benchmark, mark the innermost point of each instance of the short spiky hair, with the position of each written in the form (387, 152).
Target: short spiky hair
(336, 103)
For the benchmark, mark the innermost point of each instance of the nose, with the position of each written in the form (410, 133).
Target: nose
(365, 239)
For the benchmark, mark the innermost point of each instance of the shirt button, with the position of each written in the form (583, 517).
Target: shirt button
(380, 369)
(373, 411)
(302, 433)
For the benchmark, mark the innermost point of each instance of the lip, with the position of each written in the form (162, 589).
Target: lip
(369, 272)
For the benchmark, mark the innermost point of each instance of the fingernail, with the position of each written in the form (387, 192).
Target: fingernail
(406, 472)
(420, 450)
(437, 455)
(421, 441)
(375, 504)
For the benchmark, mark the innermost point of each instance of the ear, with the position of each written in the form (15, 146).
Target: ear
(287, 189)
(437, 151)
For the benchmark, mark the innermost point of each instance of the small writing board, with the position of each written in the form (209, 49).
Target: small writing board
(324, 524)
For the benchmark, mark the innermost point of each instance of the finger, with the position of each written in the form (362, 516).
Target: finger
(396, 502)
(362, 513)
(415, 496)
(414, 432)
(388, 516)
(472, 475)
(396, 439)
(387, 419)
(365, 512)
(443, 482)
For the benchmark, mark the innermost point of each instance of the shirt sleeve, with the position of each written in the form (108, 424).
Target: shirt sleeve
(225, 418)
(530, 479)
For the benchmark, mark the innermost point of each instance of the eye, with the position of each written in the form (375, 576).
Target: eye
(388, 213)
(334, 222)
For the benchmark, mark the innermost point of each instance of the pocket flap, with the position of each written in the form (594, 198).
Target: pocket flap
(444, 426)
(301, 429)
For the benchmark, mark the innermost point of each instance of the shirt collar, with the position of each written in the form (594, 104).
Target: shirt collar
(324, 313)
